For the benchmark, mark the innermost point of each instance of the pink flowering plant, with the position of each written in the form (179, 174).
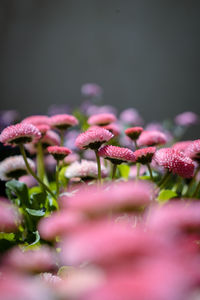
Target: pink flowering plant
(94, 206)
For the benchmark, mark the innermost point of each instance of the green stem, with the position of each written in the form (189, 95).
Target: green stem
(150, 171)
(62, 134)
(98, 166)
(136, 146)
(57, 179)
(138, 170)
(164, 179)
(40, 162)
(191, 182)
(33, 173)
(114, 171)
(194, 195)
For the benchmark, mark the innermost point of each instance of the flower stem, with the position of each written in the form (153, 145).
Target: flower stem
(98, 166)
(191, 182)
(114, 171)
(40, 162)
(194, 195)
(150, 171)
(62, 133)
(33, 173)
(57, 178)
(136, 145)
(164, 179)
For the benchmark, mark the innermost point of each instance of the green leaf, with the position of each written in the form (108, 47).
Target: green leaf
(37, 238)
(35, 212)
(7, 236)
(124, 170)
(165, 195)
(19, 189)
(37, 199)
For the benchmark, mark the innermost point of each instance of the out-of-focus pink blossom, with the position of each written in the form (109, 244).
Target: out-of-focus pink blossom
(14, 167)
(113, 128)
(29, 180)
(117, 154)
(85, 170)
(37, 120)
(181, 146)
(63, 121)
(151, 138)
(193, 150)
(9, 217)
(145, 155)
(70, 138)
(101, 119)
(133, 171)
(186, 118)
(71, 158)
(58, 152)
(133, 132)
(130, 116)
(175, 161)
(91, 90)
(93, 138)
(19, 133)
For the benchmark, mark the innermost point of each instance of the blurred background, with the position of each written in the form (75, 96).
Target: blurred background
(143, 53)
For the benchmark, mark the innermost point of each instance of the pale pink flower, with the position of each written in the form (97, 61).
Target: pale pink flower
(193, 150)
(145, 155)
(175, 161)
(182, 145)
(134, 132)
(113, 128)
(71, 158)
(131, 116)
(93, 138)
(29, 180)
(9, 217)
(151, 138)
(49, 279)
(58, 152)
(43, 128)
(117, 154)
(85, 170)
(19, 133)
(63, 121)
(124, 196)
(91, 90)
(102, 119)
(187, 118)
(36, 260)
(14, 167)
(37, 120)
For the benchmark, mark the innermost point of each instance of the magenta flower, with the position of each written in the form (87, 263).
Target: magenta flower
(85, 170)
(37, 120)
(9, 217)
(152, 138)
(193, 150)
(145, 155)
(186, 118)
(101, 119)
(19, 133)
(37, 260)
(175, 161)
(59, 153)
(182, 146)
(113, 128)
(117, 155)
(63, 121)
(126, 196)
(93, 138)
(91, 90)
(133, 132)
(14, 167)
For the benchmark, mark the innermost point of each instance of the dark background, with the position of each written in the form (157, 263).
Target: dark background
(144, 53)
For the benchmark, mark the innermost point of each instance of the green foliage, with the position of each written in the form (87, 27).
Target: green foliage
(16, 189)
(166, 195)
(124, 170)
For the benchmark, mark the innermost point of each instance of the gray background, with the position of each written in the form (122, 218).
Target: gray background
(144, 53)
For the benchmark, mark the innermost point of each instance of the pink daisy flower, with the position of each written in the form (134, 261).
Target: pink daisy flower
(113, 128)
(9, 217)
(117, 155)
(19, 133)
(145, 155)
(186, 118)
(91, 90)
(152, 138)
(175, 161)
(193, 150)
(102, 119)
(93, 138)
(71, 158)
(85, 170)
(29, 180)
(182, 146)
(43, 128)
(134, 132)
(131, 116)
(37, 120)
(14, 167)
(59, 153)
(63, 121)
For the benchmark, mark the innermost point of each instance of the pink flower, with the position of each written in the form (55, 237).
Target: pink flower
(37, 120)
(113, 128)
(43, 128)
(151, 138)
(59, 224)
(63, 121)
(133, 171)
(14, 167)
(51, 138)
(175, 161)
(145, 155)
(116, 154)
(9, 217)
(20, 133)
(102, 119)
(85, 170)
(91, 90)
(131, 116)
(193, 150)
(134, 132)
(71, 158)
(120, 197)
(59, 153)
(93, 138)
(182, 146)
(186, 118)
(37, 260)
(29, 180)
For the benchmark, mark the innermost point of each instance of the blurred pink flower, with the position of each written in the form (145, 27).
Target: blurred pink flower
(134, 132)
(193, 150)
(58, 152)
(37, 120)
(91, 90)
(63, 121)
(187, 118)
(131, 116)
(113, 128)
(9, 217)
(102, 119)
(117, 154)
(151, 138)
(71, 158)
(29, 180)
(181, 146)
(145, 155)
